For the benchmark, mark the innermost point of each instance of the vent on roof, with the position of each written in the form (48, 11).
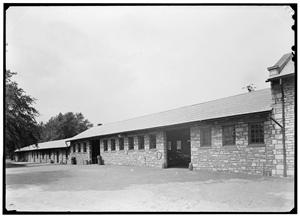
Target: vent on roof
(99, 124)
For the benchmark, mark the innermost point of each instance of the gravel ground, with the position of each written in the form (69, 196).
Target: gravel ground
(32, 187)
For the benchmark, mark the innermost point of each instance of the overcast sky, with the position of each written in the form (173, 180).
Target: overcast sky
(114, 63)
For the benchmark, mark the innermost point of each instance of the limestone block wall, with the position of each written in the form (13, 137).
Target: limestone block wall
(146, 157)
(82, 157)
(241, 157)
(277, 146)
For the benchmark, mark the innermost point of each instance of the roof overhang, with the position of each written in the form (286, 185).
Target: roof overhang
(280, 77)
(268, 110)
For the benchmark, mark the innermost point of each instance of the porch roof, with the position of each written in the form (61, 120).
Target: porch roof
(46, 145)
(251, 102)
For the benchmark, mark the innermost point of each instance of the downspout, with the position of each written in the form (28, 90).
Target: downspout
(283, 129)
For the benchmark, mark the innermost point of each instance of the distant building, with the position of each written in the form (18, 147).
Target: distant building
(241, 133)
(47, 152)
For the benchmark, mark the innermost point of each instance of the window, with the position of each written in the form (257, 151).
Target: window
(79, 147)
(130, 143)
(74, 148)
(152, 138)
(205, 136)
(141, 142)
(228, 135)
(49, 154)
(121, 143)
(84, 147)
(113, 144)
(178, 144)
(105, 145)
(256, 133)
(43, 155)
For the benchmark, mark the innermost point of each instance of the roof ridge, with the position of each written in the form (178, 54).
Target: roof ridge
(182, 107)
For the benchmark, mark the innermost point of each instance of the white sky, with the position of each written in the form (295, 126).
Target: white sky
(113, 63)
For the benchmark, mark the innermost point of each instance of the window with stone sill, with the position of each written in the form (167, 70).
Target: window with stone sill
(205, 137)
(228, 135)
(130, 143)
(79, 147)
(178, 145)
(105, 145)
(84, 147)
(141, 142)
(152, 140)
(121, 143)
(256, 133)
(113, 144)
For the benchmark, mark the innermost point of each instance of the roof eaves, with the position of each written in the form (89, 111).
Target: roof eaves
(280, 77)
(267, 109)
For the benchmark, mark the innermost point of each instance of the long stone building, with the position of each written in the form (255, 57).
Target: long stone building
(247, 133)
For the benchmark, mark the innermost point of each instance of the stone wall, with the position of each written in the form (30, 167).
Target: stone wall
(146, 157)
(81, 156)
(277, 146)
(241, 157)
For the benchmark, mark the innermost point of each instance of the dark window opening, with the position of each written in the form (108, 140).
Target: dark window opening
(152, 139)
(113, 144)
(105, 145)
(84, 147)
(141, 142)
(121, 143)
(228, 135)
(74, 148)
(256, 133)
(205, 137)
(130, 143)
(79, 147)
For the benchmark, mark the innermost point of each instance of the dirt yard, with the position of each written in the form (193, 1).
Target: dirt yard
(120, 188)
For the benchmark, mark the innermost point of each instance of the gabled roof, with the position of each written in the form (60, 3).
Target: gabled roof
(251, 102)
(284, 67)
(45, 145)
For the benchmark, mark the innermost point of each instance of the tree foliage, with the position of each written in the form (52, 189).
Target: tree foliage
(63, 126)
(21, 128)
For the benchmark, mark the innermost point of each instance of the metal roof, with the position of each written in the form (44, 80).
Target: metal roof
(45, 145)
(251, 102)
(284, 67)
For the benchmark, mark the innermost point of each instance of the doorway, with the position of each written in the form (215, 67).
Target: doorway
(57, 157)
(179, 147)
(95, 149)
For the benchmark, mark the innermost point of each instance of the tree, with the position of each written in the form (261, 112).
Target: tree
(63, 126)
(21, 128)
